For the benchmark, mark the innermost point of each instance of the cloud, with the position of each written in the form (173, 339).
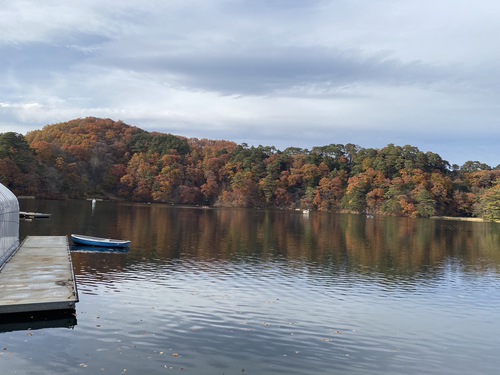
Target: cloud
(20, 106)
(273, 72)
(252, 71)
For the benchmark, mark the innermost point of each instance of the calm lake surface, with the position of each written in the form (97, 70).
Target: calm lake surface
(228, 291)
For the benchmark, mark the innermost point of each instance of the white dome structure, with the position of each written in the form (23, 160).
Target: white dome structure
(9, 224)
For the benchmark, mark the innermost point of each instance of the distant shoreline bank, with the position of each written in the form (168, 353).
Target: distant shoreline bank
(476, 219)
(455, 218)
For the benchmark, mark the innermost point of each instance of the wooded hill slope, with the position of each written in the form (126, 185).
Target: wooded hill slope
(94, 157)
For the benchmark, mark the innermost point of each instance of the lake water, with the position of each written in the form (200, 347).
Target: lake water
(228, 291)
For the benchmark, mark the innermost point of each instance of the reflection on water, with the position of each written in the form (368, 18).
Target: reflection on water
(37, 320)
(393, 247)
(218, 291)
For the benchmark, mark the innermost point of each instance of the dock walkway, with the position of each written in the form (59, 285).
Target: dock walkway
(38, 277)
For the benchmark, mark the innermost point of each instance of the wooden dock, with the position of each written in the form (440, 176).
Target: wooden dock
(38, 277)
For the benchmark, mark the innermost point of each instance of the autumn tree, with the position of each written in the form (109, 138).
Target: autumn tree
(490, 201)
(330, 191)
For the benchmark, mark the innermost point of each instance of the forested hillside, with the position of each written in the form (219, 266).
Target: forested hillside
(95, 157)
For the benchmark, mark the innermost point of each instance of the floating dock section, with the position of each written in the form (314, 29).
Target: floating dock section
(38, 277)
(33, 215)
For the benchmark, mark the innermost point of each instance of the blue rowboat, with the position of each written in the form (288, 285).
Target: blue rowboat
(80, 239)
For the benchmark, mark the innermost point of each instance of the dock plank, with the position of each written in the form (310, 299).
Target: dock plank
(39, 277)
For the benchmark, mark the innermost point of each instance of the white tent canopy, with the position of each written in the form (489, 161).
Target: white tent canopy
(9, 224)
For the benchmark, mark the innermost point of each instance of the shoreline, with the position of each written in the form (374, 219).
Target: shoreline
(457, 218)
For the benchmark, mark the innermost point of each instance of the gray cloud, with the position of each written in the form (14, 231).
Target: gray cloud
(255, 72)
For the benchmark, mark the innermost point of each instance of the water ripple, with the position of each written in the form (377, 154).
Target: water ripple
(290, 316)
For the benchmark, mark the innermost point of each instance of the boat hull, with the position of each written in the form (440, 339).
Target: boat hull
(97, 241)
(99, 249)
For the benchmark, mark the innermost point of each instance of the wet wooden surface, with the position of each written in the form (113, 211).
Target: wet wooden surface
(38, 277)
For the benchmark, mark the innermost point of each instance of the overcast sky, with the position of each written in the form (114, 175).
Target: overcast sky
(282, 73)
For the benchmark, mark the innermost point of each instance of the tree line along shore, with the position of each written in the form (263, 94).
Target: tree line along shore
(93, 157)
